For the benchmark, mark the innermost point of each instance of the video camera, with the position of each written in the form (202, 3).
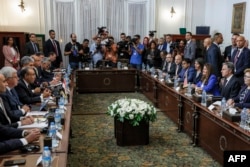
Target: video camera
(152, 33)
(101, 30)
(98, 47)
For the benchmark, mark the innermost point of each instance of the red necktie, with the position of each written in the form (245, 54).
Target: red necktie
(55, 47)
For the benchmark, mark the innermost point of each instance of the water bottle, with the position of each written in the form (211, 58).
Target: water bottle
(204, 98)
(167, 77)
(52, 134)
(79, 66)
(46, 157)
(143, 67)
(90, 66)
(58, 119)
(148, 68)
(189, 90)
(243, 118)
(223, 105)
(61, 102)
(175, 82)
(119, 65)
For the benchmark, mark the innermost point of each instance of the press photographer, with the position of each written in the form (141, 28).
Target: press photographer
(137, 49)
(85, 57)
(96, 52)
(73, 49)
(123, 47)
(103, 34)
(151, 36)
(110, 52)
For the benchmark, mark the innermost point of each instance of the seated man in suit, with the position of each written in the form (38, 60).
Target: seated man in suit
(5, 115)
(10, 97)
(230, 85)
(169, 65)
(178, 61)
(242, 100)
(26, 96)
(187, 73)
(46, 74)
(12, 139)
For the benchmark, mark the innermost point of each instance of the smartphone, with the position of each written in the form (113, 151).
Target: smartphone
(14, 162)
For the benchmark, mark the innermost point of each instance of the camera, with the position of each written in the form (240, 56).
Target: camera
(133, 40)
(101, 30)
(152, 33)
(174, 45)
(98, 47)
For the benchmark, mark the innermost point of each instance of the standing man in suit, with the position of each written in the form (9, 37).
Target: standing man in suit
(168, 43)
(240, 59)
(32, 46)
(230, 85)
(212, 55)
(52, 45)
(190, 48)
(229, 50)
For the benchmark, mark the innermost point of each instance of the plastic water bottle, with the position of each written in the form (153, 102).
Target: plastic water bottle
(119, 64)
(90, 66)
(175, 82)
(148, 68)
(167, 77)
(79, 66)
(143, 67)
(189, 90)
(58, 119)
(223, 105)
(243, 118)
(52, 134)
(204, 98)
(61, 102)
(46, 157)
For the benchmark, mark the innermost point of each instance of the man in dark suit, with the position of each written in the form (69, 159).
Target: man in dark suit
(32, 46)
(187, 72)
(190, 48)
(10, 97)
(6, 116)
(240, 59)
(178, 65)
(12, 139)
(231, 48)
(24, 90)
(169, 65)
(167, 44)
(212, 56)
(230, 85)
(52, 45)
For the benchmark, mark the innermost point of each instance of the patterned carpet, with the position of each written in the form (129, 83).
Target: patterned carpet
(94, 144)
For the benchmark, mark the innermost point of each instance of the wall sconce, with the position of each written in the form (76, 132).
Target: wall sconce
(172, 11)
(22, 6)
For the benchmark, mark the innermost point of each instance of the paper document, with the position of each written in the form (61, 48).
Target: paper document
(34, 125)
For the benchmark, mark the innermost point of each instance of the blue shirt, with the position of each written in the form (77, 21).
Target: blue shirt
(136, 58)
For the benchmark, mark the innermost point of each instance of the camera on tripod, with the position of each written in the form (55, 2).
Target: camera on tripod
(152, 33)
(101, 30)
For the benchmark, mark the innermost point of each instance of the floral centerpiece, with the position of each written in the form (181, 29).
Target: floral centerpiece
(133, 110)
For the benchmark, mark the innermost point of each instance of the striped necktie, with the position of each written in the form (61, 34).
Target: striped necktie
(4, 111)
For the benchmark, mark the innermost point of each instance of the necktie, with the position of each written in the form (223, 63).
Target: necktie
(176, 71)
(236, 57)
(34, 47)
(169, 65)
(225, 82)
(55, 47)
(4, 111)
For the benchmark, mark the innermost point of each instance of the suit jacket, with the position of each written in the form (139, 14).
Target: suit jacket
(211, 86)
(156, 61)
(38, 80)
(4, 120)
(228, 52)
(190, 74)
(242, 63)
(196, 79)
(189, 50)
(171, 72)
(231, 89)
(212, 56)
(8, 139)
(179, 69)
(29, 49)
(246, 101)
(26, 96)
(12, 104)
(49, 47)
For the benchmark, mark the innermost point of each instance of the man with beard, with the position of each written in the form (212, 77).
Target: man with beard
(73, 49)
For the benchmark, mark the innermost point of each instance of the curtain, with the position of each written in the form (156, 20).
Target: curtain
(65, 24)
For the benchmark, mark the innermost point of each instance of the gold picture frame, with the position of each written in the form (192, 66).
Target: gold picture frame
(238, 18)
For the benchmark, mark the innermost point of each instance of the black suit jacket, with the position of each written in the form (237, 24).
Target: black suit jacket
(213, 57)
(25, 94)
(4, 121)
(246, 101)
(232, 88)
(196, 78)
(8, 139)
(171, 72)
(242, 63)
(49, 47)
(11, 104)
(227, 52)
(29, 49)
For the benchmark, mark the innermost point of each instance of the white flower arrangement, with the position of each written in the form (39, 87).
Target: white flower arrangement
(134, 110)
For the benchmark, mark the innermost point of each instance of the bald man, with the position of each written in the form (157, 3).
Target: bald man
(240, 59)
(212, 56)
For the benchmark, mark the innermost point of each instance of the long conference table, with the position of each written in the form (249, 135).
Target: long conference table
(59, 154)
(206, 128)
